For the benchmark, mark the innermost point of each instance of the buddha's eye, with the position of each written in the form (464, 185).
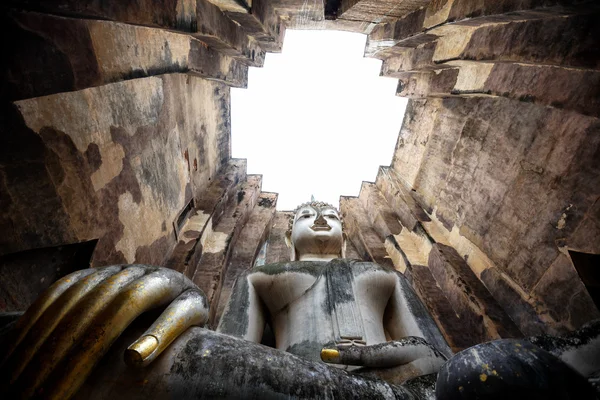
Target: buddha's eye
(305, 216)
(332, 216)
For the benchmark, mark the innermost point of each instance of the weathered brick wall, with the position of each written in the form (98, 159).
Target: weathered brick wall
(116, 116)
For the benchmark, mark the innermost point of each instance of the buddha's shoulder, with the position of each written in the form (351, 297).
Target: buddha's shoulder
(318, 267)
(360, 266)
(306, 267)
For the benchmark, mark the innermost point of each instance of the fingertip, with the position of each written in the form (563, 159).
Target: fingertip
(140, 351)
(330, 355)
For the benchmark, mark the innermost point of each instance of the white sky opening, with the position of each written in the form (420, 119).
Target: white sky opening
(317, 119)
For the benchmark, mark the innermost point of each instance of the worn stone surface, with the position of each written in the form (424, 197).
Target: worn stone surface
(503, 173)
(470, 299)
(25, 275)
(399, 197)
(351, 252)
(209, 206)
(380, 215)
(199, 17)
(174, 14)
(518, 309)
(91, 162)
(365, 239)
(300, 14)
(508, 365)
(415, 245)
(253, 235)
(259, 20)
(223, 34)
(589, 228)
(408, 59)
(277, 250)
(497, 157)
(565, 88)
(80, 53)
(377, 10)
(526, 41)
(448, 321)
(563, 295)
(428, 23)
(219, 241)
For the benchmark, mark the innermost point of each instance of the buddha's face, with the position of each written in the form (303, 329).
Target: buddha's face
(317, 231)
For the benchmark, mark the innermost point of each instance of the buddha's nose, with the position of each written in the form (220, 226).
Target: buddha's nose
(320, 221)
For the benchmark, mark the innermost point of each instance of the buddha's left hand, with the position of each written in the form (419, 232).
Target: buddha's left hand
(387, 354)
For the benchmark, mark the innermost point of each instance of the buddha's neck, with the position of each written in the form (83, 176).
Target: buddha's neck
(318, 257)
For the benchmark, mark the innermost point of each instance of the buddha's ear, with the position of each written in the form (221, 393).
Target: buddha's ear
(290, 245)
(288, 238)
(344, 241)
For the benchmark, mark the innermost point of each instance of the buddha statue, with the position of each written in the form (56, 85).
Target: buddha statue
(343, 329)
(322, 306)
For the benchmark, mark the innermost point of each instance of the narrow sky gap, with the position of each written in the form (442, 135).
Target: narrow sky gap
(317, 119)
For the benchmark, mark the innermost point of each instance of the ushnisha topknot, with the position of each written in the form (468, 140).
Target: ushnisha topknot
(314, 204)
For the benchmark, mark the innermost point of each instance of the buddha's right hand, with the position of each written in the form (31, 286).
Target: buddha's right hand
(68, 329)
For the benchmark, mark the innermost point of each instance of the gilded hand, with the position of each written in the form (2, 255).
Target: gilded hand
(74, 323)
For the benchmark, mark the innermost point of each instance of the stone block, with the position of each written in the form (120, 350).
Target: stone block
(475, 306)
(218, 31)
(563, 296)
(82, 53)
(427, 23)
(416, 245)
(198, 17)
(514, 303)
(583, 239)
(219, 241)
(396, 253)
(116, 150)
(27, 274)
(564, 88)
(277, 249)
(360, 232)
(259, 20)
(526, 41)
(380, 215)
(451, 326)
(252, 236)
(407, 59)
(503, 173)
(377, 10)
(399, 197)
(209, 206)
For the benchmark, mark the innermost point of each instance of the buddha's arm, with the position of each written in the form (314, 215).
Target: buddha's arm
(76, 321)
(405, 315)
(244, 315)
(414, 337)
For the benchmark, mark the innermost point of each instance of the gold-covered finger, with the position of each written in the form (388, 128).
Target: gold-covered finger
(148, 292)
(141, 350)
(330, 356)
(189, 309)
(72, 328)
(51, 317)
(40, 305)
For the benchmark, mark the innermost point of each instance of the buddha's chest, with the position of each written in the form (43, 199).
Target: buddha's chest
(341, 303)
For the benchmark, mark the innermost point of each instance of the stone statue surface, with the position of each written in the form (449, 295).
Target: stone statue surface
(322, 300)
(342, 328)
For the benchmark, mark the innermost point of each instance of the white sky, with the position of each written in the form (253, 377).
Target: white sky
(317, 119)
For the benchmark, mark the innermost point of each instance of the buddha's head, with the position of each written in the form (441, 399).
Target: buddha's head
(315, 233)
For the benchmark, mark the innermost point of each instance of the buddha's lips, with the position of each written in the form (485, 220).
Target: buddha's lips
(320, 228)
